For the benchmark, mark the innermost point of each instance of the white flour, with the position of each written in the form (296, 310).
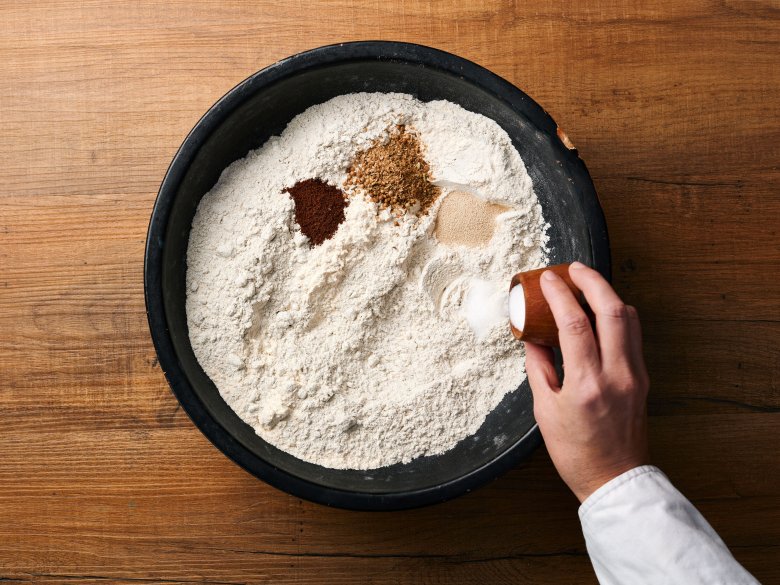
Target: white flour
(357, 353)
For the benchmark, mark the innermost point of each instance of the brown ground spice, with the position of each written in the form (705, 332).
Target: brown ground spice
(395, 174)
(319, 209)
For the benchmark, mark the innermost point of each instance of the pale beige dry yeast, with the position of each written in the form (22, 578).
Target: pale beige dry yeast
(466, 220)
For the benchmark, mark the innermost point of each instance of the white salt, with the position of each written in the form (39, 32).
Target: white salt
(485, 306)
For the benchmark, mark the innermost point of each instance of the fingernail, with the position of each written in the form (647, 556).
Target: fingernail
(549, 275)
(577, 265)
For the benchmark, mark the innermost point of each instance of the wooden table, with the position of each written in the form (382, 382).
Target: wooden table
(674, 106)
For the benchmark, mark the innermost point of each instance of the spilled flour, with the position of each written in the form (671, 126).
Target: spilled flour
(356, 353)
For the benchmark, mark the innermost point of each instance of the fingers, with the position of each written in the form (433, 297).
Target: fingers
(634, 335)
(578, 344)
(612, 316)
(540, 367)
(637, 355)
(542, 377)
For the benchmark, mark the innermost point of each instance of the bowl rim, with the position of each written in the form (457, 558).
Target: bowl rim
(178, 381)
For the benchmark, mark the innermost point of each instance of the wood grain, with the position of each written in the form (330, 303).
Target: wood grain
(674, 106)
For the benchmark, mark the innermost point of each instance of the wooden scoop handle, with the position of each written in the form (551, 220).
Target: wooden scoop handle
(539, 324)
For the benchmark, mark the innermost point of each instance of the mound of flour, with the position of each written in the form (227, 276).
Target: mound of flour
(356, 353)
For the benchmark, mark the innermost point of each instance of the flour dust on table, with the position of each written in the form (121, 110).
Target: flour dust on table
(323, 306)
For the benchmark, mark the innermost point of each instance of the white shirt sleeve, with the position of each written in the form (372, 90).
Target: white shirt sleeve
(640, 530)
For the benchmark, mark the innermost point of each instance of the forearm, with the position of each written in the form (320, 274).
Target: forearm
(640, 530)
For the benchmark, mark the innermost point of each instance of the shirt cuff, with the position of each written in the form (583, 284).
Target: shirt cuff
(614, 484)
(640, 529)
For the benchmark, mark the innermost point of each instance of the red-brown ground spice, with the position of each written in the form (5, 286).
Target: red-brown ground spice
(319, 209)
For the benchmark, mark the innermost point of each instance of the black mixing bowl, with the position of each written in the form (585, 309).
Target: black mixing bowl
(244, 119)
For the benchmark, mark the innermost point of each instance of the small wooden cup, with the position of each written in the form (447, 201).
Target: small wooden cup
(539, 326)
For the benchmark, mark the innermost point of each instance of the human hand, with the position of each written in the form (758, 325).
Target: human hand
(595, 425)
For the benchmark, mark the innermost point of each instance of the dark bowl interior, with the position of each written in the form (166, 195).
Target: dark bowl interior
(261, 107)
